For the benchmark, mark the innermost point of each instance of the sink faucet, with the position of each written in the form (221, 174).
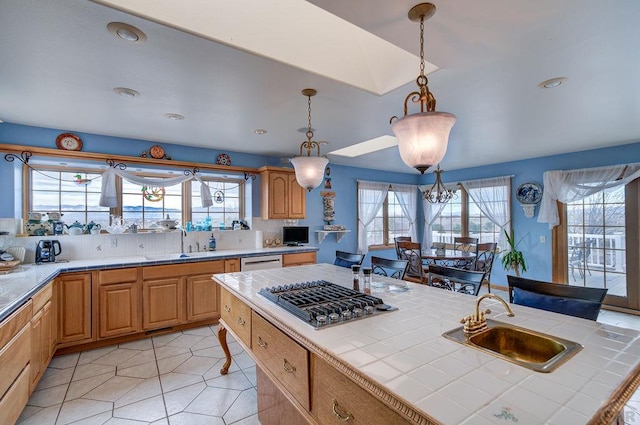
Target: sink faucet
(477, 322)
(197, 246)
(183, 234)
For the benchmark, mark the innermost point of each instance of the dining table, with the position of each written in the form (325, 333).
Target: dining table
(449, 258)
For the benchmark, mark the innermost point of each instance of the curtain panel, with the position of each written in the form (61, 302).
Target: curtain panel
(371, 196)
(408, 198)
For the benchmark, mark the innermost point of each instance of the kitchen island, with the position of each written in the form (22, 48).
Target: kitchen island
(398, 368)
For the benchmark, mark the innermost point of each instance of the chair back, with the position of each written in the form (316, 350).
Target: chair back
(578, 301)
(459, 280)
(412, 252)
(347, 259)
(463, 243)
(388, 267)
(400, 239)
(484, 259)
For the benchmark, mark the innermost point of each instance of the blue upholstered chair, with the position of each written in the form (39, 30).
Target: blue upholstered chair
(347, 259)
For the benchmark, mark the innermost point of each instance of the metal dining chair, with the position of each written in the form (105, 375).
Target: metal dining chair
(412, 252)
(454, 279)
(388, 267)
(400, 239)
(484, 260)
(347, 259)
(468, 244)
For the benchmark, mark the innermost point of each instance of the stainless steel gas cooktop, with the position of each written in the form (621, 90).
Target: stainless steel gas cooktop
(321, 303)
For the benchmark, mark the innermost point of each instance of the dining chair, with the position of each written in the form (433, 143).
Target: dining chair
(347, 259)
(578, 301)
(412, 253)
(454, 279)
(400, 239)
(388, 267)
(468, 244)
(484, 260)
(578, 259)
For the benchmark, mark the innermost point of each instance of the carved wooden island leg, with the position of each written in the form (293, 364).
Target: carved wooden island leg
(222, 338)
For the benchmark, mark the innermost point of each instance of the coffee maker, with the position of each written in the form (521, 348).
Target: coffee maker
(46, 251)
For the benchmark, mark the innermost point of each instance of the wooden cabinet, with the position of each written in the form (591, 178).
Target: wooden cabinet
(231, 265)
(118, 302)
(203, 293)
(237, 316)
(298, 259)
(74, 308)
(337, 399)
(162, 302)
(282, 196)
(43, 331)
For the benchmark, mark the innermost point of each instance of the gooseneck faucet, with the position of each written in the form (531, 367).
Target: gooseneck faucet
(477, 322)
(183, 234)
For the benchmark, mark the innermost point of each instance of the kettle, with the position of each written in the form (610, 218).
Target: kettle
(76, 228)
(46, 251)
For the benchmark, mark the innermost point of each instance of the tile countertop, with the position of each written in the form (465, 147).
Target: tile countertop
(22, 283)
(404, 354)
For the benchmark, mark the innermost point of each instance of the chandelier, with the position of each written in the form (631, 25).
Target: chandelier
(309, 169)
(422, 137)
(438, 193)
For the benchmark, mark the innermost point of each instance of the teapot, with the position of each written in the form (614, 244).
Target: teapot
(76, 228)
(168, 223)
(91, 226)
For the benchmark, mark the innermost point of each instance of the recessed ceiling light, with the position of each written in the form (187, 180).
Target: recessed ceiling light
(125, 92)
(173, 116)
(127, 32)
(260, 131)
(552, 83)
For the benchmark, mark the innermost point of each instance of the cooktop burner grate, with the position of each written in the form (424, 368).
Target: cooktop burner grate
(321, 303)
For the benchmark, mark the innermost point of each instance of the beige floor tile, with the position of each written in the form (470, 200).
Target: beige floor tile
(233, 381)
(245, 405)
(176, 401)
(163, 421)
(234, 347)
(243, 360)
(75, 410)
(146, 389)
(173, 381)
(195, 365)
(91, 355)
(214, 371)
(141, 357)
(162, 340)
(79, 388)
(168, 351)
(250, 373)
(120, 421)
(211, 352)
(113, 389)
(186, 418)
(54, 377)
(145, 370)
(213, 401)
(141, 344)
(251, 420)
(28, 411)
(116, 357)
(203, 331)
(88, 370)
(46, 416)
(64, 362)
(207, 342)
(168, 364)
(99, 419)
(148, 410)
(49, 396)
(186, 341)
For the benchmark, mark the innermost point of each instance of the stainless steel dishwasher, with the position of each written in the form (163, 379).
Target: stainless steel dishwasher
(260, 263)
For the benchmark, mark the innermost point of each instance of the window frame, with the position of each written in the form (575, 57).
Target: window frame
(387, 244)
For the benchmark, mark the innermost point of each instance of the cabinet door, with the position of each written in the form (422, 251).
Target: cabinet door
(203, 298)
(118, 309)
(278, 195)
(48, 333)
(231, 265)
(74, 308)
(37, 341)
(297, 199)
(298, 259)
(162, 302)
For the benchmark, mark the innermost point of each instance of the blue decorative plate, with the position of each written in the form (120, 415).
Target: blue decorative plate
(529, 193)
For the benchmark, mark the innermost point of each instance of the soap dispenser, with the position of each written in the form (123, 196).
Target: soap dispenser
(212, 243)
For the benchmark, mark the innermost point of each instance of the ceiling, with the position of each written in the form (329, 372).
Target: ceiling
(60, 64)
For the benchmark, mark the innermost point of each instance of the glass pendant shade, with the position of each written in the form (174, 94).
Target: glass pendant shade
(423, 138)
(309, 170)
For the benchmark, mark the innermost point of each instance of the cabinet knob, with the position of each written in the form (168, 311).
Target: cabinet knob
(241, 322)
(261, 343)
(227, 308)
(346, 416)
(288, 367)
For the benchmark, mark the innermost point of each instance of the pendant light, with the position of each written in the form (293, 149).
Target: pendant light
(422, 137)
(309, 169)
(438, 193)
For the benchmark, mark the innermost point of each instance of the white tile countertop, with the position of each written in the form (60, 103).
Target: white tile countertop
(16, 287)
(403, 354)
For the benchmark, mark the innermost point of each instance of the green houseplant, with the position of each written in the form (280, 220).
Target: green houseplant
(513, 259)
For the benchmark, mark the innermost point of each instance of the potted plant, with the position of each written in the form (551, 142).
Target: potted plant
(513, 259)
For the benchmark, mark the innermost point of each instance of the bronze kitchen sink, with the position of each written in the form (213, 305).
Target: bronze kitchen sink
(531, 349)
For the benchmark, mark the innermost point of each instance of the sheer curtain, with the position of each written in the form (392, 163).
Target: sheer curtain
(408, 198)
(492, 197)
(575, 185)
(431, 214)
(371, 195)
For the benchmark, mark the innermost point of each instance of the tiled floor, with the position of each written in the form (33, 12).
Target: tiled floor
(173, 379)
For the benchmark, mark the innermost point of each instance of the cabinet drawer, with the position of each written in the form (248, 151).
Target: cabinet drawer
(117, 276)
(337, 399)
(14, 357)
(41, 297)
(298, 259)
(15, 398)
(179, 270)
(10, 326)
(283, 357)
(237, 315)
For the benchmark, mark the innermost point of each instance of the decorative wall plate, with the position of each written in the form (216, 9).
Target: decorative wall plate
(529, 193)
(156, 151)
(223, 159)
(68, 142)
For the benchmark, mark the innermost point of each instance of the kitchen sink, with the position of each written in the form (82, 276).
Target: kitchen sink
(179, 256)
(533, 350)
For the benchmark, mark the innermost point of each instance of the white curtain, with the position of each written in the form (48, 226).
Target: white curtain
(492, 197)
(575, 185)
(109, 197)
(371, 195)
(431, 213)
(408, 198)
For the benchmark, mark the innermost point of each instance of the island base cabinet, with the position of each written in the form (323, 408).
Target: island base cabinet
(237, 316)
(273, 406)
(338, 400)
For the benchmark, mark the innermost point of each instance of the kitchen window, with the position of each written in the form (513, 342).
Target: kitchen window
(227, 198)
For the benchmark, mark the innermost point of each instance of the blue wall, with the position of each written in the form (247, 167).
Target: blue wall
(343, 180)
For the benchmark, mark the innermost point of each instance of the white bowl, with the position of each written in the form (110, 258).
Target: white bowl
(115, 229)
